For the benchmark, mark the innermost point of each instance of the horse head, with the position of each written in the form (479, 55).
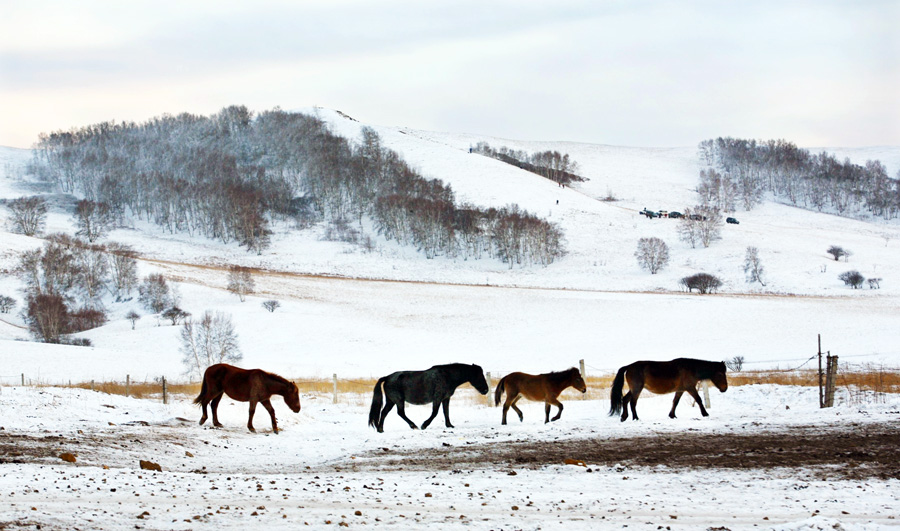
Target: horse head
(477, 380)
(577, 380)
(719, 379)
(292, 398)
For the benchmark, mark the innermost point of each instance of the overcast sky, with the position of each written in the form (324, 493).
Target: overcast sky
(639, 73)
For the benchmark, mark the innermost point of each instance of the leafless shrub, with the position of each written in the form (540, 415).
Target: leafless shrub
(271, 305)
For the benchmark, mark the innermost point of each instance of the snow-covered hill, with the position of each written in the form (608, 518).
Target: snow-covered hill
(594, 304)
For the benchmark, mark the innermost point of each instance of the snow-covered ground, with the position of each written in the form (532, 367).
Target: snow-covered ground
(324, 469)
(366, 314)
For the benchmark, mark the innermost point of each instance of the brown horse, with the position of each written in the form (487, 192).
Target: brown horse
(542, 387)
(677, 376)
(253, 385)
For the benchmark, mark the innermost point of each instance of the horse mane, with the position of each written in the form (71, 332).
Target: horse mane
(280, 379)
(558, 376)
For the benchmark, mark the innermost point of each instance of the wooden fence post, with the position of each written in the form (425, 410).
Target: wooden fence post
(92, 385)
(23, 379)
(821, 389)
(581, 371)
(127, 384)
(165, 391)
(830, 377)
(705, 386)
(334, 376)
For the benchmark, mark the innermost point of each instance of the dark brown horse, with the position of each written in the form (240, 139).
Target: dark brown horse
(677, 376)
(253, 385)
(542, 387)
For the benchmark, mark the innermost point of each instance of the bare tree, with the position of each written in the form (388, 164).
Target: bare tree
(154, 292)
(134, 317)
(47, 317)
(208, 341)
(175, 314)
(240, 281)
(271, 305)
(874, 283)
(7, 304)
(123, 269)
(709, 224)
(735, 364)
(93, 219)
(28, 215)
(836, 251)
(652, 254)
(753, 266)
(688, 229)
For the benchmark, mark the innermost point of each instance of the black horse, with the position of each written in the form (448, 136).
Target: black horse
(435, 385)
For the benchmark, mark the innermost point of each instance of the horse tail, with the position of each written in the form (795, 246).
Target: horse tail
(203, 389)
(501, 386)
(615, 394)
(377, 401)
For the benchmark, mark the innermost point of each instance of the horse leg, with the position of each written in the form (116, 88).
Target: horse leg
(625, 401)
(675, 403)
(401, 410)
(516, 408)
(446, 405)
(268, 405)
(388, 405)
(204, 417)
(214, 405)
(434, 411)
(510, 400)
(252, 411)
(558, 404)
(634, 398)
(696, 396)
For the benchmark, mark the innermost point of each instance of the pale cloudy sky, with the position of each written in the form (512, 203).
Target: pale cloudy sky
(624, 72)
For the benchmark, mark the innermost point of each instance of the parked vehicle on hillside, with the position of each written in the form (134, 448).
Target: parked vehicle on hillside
(676, 215)
(732, 221)
(649, 213)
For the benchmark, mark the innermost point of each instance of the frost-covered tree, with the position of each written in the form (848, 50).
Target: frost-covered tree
(208, 341)
(753, 266)
(154, 293)
(652, 254)
(240, 281)
(28, 215)
(93, 219)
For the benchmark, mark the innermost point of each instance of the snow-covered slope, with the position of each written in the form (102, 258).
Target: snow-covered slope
(594, 304)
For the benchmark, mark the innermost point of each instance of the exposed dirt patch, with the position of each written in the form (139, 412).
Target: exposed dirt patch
(849, 452)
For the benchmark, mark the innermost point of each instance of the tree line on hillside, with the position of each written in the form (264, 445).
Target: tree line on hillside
(739, 171)
(229, 176)
(553, 165)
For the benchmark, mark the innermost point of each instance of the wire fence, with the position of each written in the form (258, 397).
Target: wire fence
(860, 379)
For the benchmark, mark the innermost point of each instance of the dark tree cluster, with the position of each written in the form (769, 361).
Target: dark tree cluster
(65, 281)
(702, 282)
(230, 175)
(744, 170)
(553, 165)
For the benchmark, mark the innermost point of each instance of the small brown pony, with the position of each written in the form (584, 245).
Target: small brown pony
(253, 385)
(677, 376)
(542, 387)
